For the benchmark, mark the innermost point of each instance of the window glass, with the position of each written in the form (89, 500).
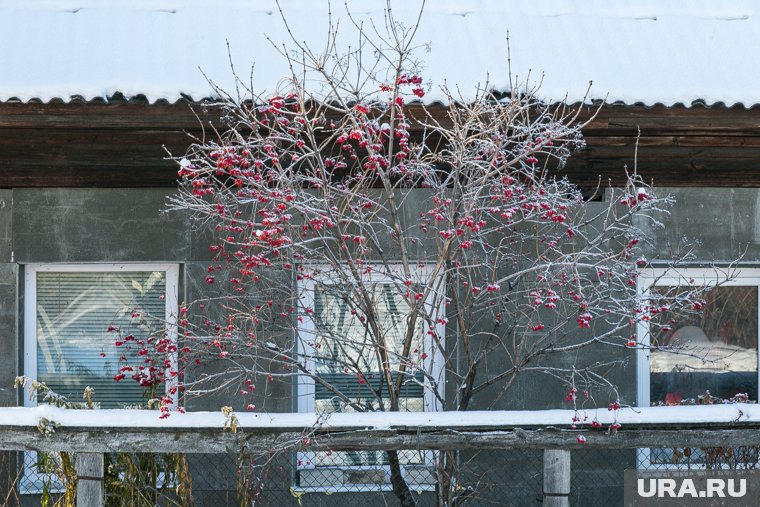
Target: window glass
(705, 353)
(713, 351)
(67, 342)
(343, 346)
(74, 347)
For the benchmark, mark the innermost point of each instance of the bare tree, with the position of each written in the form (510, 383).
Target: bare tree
(389, 258)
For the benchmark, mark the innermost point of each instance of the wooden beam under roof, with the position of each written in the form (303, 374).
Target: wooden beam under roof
(121, 144)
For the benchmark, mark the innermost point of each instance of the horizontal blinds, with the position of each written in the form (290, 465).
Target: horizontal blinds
(341, 334)
(342, 338)
(74, 311)
(353, 388)
(108, 393)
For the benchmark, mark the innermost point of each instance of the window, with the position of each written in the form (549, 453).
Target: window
(704, 354)
(67, 312)
(334, 344)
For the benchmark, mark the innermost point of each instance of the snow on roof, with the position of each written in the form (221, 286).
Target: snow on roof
(647, 51)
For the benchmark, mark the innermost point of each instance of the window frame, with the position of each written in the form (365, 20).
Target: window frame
(171, 271)
(668, 277)
(304, 388)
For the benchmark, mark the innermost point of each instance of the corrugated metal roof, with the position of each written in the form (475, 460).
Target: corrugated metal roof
(648, 51)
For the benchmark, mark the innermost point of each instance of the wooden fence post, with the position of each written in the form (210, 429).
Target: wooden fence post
(556, 478)
(90, 491)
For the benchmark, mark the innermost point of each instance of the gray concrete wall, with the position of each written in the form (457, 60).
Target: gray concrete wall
(128, 225)
(6, 224)
(96, 225)
(74, 225)
(722, 224)
(274, 396)
(8, 302)
(8, 333)
(80, 225)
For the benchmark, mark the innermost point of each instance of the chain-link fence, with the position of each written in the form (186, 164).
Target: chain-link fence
(300, 479)
(487, 478)
(511, 477)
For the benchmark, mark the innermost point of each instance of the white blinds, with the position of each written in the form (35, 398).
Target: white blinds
(342, 340)
(344, 345)
(342, 335)
(74, 311)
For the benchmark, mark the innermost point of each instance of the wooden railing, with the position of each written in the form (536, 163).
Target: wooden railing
(91, 433)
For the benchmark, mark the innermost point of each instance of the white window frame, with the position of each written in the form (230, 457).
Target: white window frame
(305, 388)
(709, 276)
(30, 324)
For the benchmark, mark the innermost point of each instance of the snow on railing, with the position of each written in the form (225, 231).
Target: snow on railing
(90, 433)
(55, 429)
(480, 420)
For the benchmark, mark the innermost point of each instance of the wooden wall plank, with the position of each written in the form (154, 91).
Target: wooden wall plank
(120, 144)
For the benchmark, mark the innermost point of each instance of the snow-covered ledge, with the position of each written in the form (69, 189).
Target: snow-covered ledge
(55, 429)
(705, 415)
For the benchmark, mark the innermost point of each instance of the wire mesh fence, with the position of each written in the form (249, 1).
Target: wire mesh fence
(340, 478)
(484, 478)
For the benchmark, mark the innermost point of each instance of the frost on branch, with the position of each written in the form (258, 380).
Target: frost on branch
(374, 246)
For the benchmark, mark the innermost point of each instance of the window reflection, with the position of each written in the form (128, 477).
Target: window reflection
(715, 350)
